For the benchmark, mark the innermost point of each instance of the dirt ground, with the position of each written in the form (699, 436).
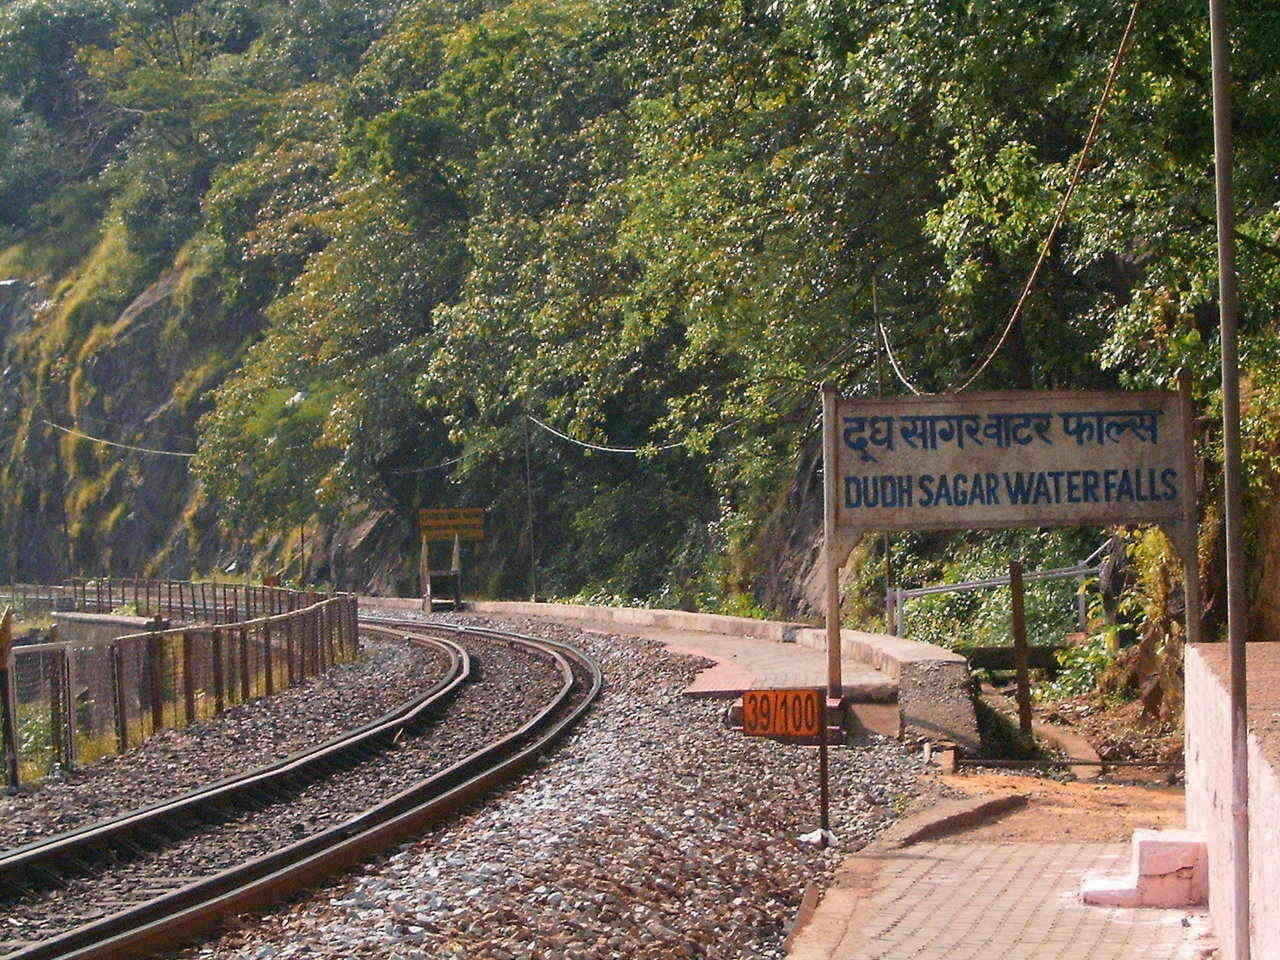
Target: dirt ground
(1117, 731)
(1085, 811)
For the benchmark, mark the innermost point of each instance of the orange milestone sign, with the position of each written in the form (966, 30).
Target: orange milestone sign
(782, 713)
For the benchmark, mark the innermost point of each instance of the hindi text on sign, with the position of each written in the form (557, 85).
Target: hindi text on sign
(1011, 459)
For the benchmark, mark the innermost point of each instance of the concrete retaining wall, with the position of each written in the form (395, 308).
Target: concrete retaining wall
(1208, 748)
(772, 630)
(92, 629)
(934, 698)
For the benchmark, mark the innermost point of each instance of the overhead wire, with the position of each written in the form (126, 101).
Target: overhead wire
(603, 448)
(434, 466)
(893, 360)
(1059, 218)
(113, 443)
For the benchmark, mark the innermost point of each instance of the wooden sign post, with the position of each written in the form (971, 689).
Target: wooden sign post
(445, 524)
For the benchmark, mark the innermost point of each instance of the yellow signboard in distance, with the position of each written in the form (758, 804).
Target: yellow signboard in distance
(465, 523)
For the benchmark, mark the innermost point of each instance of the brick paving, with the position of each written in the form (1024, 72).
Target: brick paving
(1012, 901)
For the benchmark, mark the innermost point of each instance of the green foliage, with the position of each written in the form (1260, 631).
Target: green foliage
(1081, 667)
(404, 225)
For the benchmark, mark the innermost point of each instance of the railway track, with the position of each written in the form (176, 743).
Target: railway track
(162, 875)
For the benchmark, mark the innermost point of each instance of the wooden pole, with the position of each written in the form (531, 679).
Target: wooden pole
(155, 653)
(65, 665)
(245, 691)
(188, 677)
(8, 701)
(1187, 536)
(424, 574)
(830, 466)
(267, 664)
(289, 652)
(219, 692)
(1020, 647)
(57, 698)
(118, 700)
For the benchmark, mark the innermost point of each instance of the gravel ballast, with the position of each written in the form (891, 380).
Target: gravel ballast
(240, 738)
(515, 686)
(652, 832)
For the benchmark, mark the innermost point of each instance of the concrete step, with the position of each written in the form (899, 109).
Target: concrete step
(1167, 868)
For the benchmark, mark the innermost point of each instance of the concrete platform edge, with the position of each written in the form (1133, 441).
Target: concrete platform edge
(934, 697)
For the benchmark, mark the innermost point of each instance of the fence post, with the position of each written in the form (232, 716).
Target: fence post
(117, 697)
(155, 694)
(1020, 647)
(219, 696)
(326, 627)
(188, 677)
(8, 703)
(291, 671)
(244, 664)
(69, 727)
(266, 657)
(304, 644)
(52, 664)
(1082, 606)
(353, 626)
(313, 628)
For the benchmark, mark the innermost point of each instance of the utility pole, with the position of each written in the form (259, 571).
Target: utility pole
(1228, 310)
(528, 492)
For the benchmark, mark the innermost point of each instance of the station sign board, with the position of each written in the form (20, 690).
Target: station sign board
(783, 713)
(1012, 459)
(465, 523)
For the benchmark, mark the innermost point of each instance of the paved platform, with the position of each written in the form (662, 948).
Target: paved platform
(746, 663)
(956, 900)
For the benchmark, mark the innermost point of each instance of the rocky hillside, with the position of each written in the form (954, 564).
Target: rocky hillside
(585, 264)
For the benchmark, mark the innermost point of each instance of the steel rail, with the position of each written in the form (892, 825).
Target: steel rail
(184, 914)
(44, 855)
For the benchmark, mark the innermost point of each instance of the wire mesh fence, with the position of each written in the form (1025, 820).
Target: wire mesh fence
(32, 599)
(70, 702)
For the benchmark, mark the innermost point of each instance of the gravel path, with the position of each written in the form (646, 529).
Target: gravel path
(512, 688)
(653, 832)
(239, 738)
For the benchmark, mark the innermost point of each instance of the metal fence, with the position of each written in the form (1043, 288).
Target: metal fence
(72, 702)
(32, 598)
(896, 598)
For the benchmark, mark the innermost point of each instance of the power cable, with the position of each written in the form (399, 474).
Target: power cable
(893, 360)
(434, 466)
(608, 449)
(112, 443)
(1058, 219)
(1066, 198)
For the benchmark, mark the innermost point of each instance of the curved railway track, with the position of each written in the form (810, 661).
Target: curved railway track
(124, 872)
